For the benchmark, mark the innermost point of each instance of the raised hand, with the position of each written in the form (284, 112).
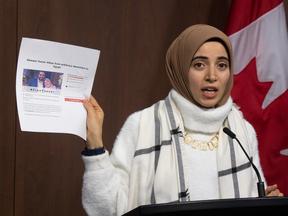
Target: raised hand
(94, 123)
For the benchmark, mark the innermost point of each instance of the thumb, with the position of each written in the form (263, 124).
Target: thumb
(89, 108)
(93, 108)
(271, 188)
(87, 105)
(92, 104)
(94, 122)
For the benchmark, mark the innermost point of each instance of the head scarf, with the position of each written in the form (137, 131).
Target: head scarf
(181, 53)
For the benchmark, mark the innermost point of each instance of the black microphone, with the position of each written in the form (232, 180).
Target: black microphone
(260, 184)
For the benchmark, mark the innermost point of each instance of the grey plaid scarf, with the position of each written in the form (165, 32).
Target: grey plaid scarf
(159, 169)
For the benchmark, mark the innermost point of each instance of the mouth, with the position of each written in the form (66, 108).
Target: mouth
(209, 90)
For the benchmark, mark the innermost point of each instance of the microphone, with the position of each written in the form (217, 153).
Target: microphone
(260, 184)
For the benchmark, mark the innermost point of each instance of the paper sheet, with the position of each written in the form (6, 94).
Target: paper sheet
(51, 82)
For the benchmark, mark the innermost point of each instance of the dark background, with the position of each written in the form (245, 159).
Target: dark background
(41, 173)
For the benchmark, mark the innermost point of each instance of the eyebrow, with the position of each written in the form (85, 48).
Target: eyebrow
(204, 57)
(199, 57)
(224, 58)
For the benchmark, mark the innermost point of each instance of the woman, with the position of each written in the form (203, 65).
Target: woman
(48, 84)
(176, 150)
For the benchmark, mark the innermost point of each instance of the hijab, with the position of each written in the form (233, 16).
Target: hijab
(182, 51)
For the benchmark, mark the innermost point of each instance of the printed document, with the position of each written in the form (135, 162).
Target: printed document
(51, 82)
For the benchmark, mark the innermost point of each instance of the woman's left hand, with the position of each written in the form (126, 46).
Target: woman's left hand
(273, 191)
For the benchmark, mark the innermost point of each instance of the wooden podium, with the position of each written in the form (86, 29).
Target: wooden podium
(243, 207)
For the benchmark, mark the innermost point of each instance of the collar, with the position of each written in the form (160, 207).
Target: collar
(201, 119)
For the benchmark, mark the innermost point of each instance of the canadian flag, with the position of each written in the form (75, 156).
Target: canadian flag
(258, 32)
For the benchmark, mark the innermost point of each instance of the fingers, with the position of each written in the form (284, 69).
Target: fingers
(269, 189)
(93, 101)
(273, 191)
(89, 108)
(277, 193)
(92, 105)
(87, 104)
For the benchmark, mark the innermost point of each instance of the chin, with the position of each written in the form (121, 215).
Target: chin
(208, 105)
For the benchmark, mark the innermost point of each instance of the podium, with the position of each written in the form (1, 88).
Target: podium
(242, 206)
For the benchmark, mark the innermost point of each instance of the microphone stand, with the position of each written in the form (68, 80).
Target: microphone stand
(260, 184)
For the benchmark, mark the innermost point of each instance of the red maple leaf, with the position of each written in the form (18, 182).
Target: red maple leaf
(270, 124)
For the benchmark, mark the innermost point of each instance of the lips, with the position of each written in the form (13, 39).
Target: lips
(209, 91)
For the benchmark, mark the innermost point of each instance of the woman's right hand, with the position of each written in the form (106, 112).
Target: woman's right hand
(94, 123)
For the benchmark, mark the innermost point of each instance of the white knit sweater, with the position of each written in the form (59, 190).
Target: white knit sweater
(106, 179)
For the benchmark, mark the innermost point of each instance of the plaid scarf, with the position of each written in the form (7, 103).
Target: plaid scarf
(159, 172)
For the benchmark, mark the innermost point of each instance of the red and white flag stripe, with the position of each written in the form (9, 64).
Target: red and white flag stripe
(258, 32)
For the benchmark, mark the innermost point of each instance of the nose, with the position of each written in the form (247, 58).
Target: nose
(211, 75)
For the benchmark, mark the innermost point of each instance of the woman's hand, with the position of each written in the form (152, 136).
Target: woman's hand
(94, 123)
(273, 191)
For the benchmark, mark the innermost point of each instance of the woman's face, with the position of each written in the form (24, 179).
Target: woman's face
(47, 83)
(209, 73)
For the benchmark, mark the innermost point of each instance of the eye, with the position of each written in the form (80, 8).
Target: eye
(198, 65)
(222, 66)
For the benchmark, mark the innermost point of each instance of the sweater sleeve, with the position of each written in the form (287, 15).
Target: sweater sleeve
(106, 179)
(256, 158)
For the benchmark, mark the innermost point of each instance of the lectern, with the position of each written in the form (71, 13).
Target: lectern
(242, 207)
